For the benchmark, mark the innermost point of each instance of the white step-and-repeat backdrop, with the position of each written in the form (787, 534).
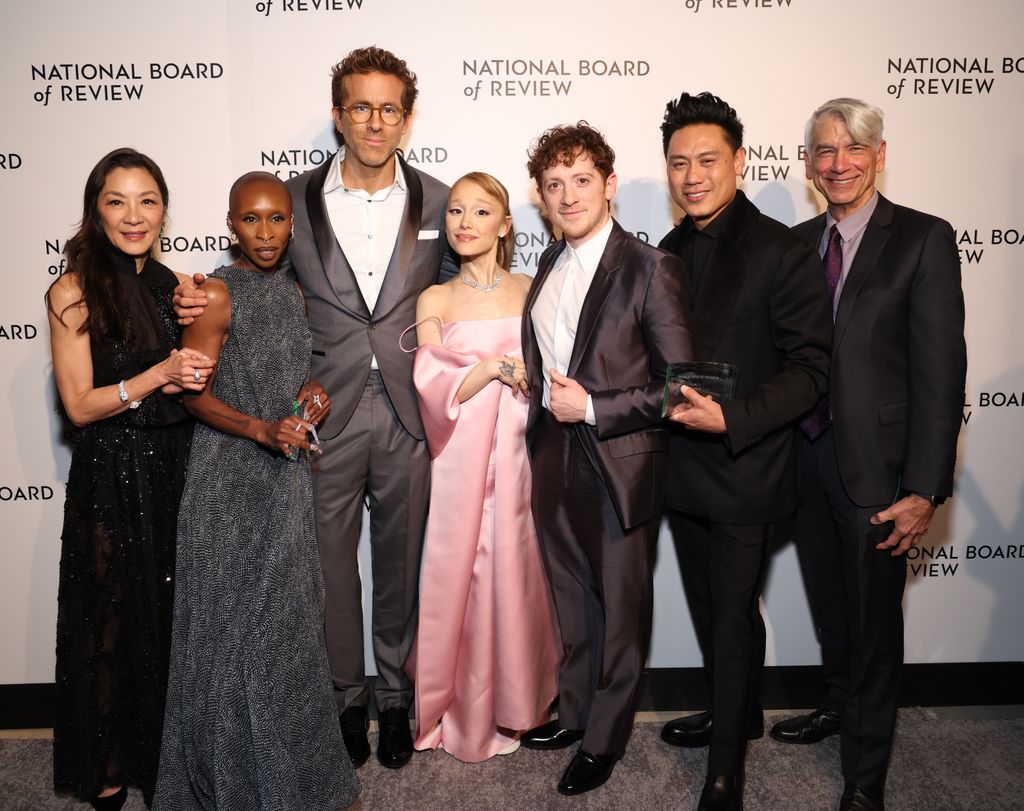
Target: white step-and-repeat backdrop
(214, 88)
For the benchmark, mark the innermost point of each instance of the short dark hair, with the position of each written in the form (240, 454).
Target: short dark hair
(704, 108)
(373, 60)
(564, 144)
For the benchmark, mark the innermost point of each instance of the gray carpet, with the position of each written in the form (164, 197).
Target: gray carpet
(939, 764)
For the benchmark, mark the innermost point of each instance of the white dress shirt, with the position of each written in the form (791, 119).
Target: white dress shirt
(366, 226)
(556, 313)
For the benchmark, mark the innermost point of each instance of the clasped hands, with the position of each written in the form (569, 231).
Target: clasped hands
(186, 370)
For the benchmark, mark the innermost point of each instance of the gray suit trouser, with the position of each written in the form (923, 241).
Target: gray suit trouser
(375, 461)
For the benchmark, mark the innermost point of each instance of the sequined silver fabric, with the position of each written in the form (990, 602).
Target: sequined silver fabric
(251, 721)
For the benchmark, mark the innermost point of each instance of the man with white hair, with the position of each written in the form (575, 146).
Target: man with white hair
(876, 456)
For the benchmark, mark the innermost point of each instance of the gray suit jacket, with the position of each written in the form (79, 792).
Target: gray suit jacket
(345, 333)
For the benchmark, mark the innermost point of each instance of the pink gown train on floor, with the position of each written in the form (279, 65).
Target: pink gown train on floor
(486, 655)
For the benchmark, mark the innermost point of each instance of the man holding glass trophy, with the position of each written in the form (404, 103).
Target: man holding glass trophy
(762, 333)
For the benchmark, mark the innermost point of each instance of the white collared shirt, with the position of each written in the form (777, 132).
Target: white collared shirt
(556, 313)
(366, 226)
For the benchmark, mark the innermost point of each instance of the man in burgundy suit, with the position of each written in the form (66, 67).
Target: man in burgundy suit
(606, 314)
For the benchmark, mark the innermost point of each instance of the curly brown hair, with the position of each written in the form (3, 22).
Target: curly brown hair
(373, 60)
(564, 144)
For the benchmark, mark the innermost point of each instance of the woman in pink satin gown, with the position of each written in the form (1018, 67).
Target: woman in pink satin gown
(487, 649)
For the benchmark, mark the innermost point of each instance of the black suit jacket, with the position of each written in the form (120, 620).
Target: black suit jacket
(634, 321)
(345, 333)
(762, 305)
(899, 361)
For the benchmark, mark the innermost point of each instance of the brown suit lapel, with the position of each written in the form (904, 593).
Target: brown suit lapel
(597, 294)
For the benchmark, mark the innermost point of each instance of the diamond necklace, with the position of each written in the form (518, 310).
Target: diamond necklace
(468, 280)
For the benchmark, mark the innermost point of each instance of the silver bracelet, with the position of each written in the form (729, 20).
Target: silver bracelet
(123, 394)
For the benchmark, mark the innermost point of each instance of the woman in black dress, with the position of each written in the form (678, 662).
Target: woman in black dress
(112, 337)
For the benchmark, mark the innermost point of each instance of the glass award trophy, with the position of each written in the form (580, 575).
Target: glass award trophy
(715, 379)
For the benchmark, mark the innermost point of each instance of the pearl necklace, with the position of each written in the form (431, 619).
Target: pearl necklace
(468, 280)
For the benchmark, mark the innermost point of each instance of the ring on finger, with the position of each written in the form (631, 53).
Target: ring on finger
(316, 401)
(195, 375)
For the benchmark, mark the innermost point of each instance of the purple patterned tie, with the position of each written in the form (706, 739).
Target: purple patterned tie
(815, 423)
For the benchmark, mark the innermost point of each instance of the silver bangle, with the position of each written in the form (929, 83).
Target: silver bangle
(123, 394)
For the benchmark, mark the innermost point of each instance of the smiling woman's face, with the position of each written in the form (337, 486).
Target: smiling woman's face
(131, 210)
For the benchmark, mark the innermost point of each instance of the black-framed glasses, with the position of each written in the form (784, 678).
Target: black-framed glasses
(360, 113)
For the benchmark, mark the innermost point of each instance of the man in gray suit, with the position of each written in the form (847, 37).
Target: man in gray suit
(368, 238)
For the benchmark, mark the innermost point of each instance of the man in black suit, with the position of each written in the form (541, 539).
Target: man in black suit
(876, 456)
(604, 316)
(759, 303)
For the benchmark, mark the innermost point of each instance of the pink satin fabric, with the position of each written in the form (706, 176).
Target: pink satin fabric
(486, 654)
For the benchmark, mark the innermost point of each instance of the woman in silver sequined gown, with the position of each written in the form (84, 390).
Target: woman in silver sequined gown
(112, 330)
(251, 721)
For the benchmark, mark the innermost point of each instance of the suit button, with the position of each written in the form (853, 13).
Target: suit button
(371, 326)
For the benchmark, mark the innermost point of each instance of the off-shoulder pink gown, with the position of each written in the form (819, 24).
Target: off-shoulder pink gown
(486, 655)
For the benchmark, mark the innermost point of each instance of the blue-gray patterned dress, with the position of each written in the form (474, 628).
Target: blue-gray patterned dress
(251, 721)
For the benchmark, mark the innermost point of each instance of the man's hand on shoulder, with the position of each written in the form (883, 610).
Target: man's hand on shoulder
(190, 299)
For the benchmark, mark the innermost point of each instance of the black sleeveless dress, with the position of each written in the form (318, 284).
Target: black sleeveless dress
(116, 587)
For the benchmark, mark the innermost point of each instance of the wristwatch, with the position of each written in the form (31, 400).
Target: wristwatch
(123, 394)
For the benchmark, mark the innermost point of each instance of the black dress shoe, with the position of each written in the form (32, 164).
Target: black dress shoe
(695, 730)
(858, 799)
(112, 802)
(354, 724)
(585, 772)
(551, 735)
(722, 792)
(810, 728)
(394, 741)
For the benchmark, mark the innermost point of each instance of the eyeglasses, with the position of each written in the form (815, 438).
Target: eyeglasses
(361, 113)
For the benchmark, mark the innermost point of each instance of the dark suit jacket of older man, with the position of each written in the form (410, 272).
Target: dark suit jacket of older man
(899, 364)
